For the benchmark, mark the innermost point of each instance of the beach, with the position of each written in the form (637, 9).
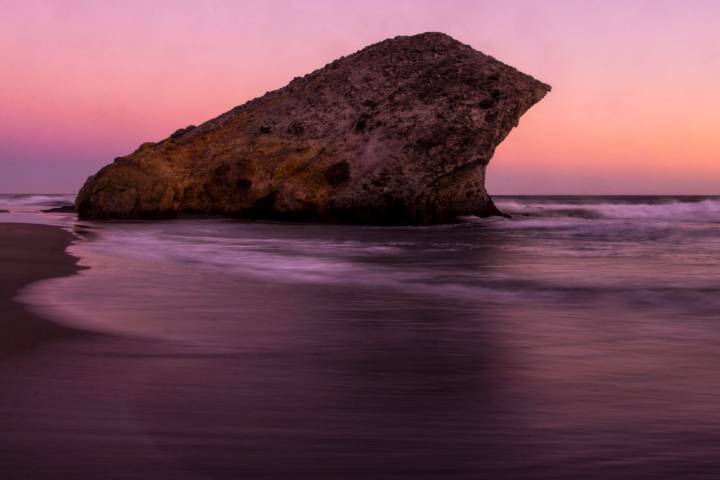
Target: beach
(29, 253)
(576, 340)
(316, 240)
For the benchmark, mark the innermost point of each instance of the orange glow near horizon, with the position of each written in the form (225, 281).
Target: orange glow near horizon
(633, 108)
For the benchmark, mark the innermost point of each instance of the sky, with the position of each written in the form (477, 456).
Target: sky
(634, 107)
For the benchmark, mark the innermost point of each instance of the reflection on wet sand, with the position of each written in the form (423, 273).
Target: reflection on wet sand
(495, 350)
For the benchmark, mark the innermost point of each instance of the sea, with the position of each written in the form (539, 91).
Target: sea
(578, 339)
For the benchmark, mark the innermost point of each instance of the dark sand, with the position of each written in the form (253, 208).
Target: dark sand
(29, 253)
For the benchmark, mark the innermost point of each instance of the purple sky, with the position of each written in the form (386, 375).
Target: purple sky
(633, 108)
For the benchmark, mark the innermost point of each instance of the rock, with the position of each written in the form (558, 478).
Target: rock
(398, 133)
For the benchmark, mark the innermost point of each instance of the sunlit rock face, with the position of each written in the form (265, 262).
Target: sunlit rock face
(398, 133)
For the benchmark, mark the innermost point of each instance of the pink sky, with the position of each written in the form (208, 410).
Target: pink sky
(633, 109)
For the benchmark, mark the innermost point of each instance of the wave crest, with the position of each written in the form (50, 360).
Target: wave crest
(704, 209)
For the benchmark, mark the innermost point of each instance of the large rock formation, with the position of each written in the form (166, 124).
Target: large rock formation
(398, 133)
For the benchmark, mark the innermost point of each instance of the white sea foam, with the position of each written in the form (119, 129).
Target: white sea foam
(22, 200)
(660, 209)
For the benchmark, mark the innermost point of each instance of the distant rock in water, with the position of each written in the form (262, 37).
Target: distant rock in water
(398, 133)
(62, 209)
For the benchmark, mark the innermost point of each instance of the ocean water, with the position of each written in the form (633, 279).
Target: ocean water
(578, 339)
(29, 208)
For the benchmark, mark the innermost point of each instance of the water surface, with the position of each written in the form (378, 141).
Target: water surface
(578, 339)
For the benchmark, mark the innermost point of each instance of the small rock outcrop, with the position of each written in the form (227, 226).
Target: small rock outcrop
(398, 133)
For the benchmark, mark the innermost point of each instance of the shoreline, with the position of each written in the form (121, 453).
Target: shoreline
(30, 253)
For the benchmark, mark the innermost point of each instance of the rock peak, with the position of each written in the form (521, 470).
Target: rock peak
(398, 132)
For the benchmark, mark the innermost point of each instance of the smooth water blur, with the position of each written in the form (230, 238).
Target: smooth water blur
(578, 339)
(29, 208)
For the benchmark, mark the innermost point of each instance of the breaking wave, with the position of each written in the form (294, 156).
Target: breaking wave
(649, 208)
(29, 200)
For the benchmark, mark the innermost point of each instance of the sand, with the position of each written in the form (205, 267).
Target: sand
(338, 382)
(29, 253)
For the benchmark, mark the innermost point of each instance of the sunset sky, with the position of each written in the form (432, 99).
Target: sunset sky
(634, 107)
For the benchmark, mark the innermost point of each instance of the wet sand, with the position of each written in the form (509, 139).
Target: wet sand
(363, 402)
(259, 378)
(29, 253)
(62, 413)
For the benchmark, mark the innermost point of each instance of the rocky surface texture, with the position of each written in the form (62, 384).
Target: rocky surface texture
(398, 133)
